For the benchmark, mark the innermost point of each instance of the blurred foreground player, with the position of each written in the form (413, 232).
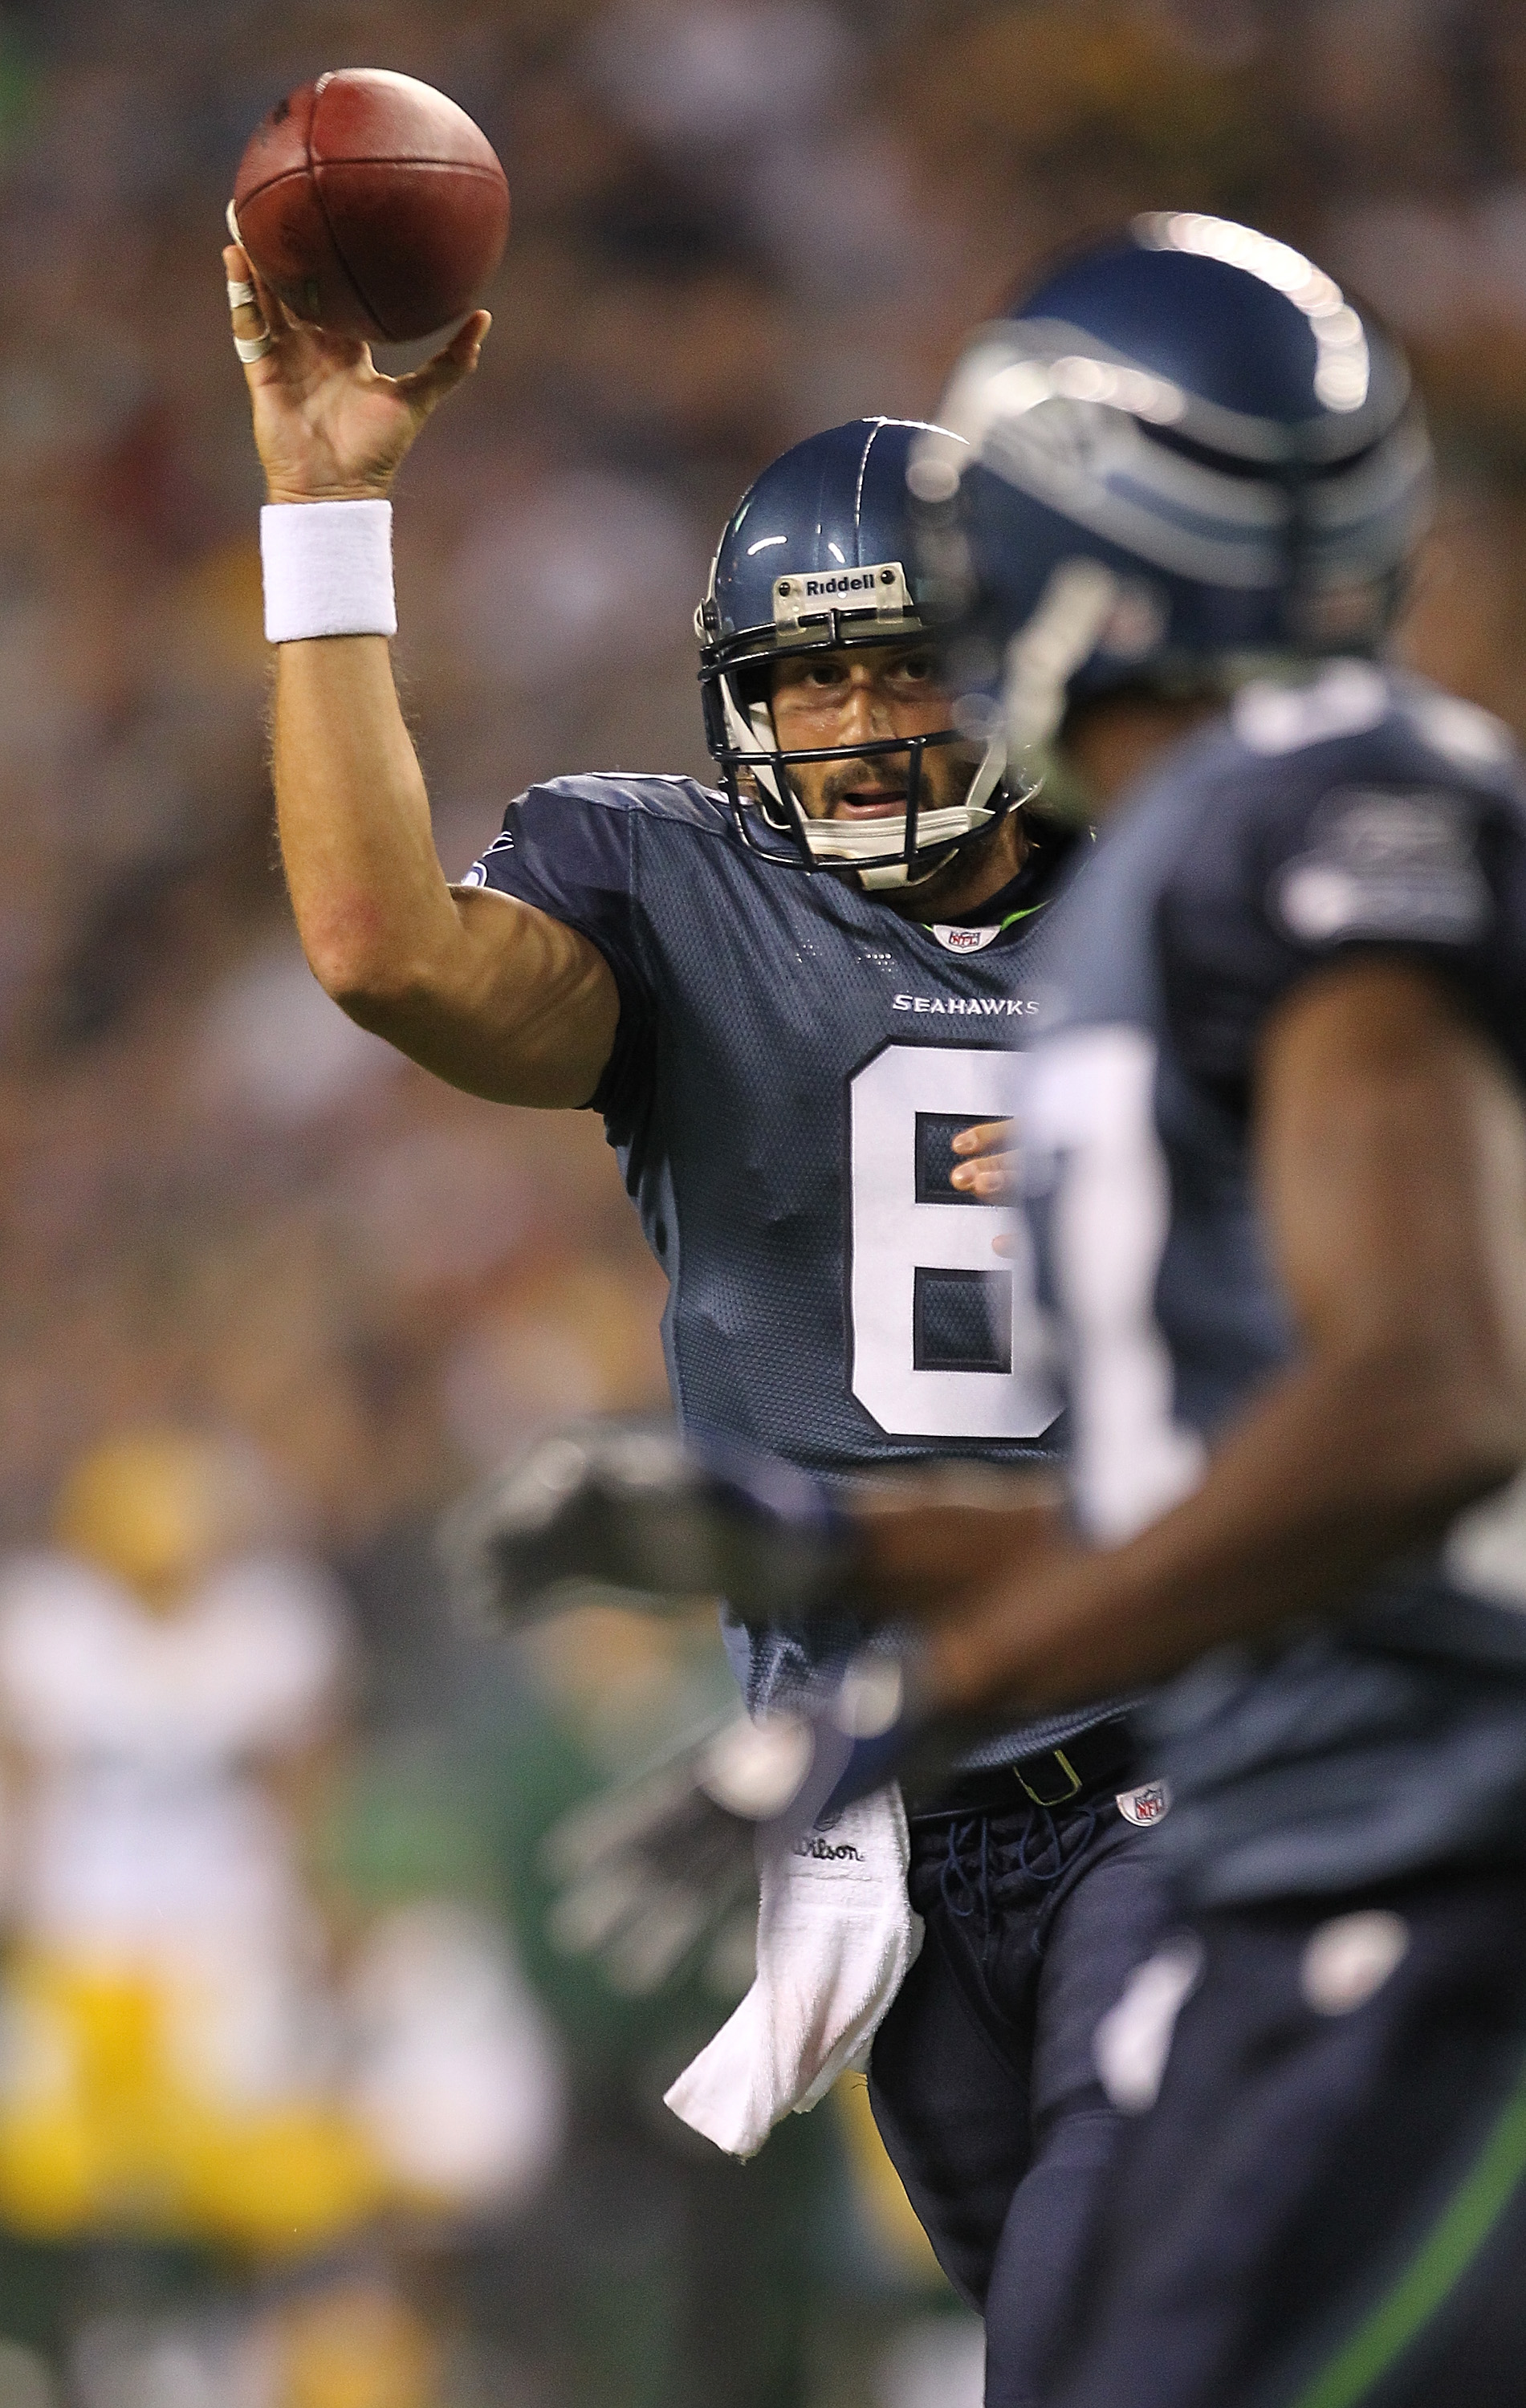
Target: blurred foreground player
(1276, 1142)
(786, 999)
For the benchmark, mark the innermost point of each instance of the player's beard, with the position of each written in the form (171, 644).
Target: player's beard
(947, 889)
(943, 883)
(944, 780)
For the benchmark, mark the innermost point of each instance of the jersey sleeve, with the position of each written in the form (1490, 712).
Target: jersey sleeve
(573, 857)
(1301, 868)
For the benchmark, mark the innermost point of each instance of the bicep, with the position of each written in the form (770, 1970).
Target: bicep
(1391, 1144)
(547, 1001)
(527, 1014)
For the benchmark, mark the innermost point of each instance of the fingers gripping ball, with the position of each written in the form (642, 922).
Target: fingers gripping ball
(372, 205)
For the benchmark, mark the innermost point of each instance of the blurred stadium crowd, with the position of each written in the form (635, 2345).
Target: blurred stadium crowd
(227, 1211)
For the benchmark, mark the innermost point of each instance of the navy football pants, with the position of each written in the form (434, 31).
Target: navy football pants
(1326, 2206)
(981, 2079)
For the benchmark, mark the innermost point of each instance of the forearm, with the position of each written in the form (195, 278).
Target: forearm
(1391, 1162)
(490, 994)
(484, 991)
(928, 1541)
(372, 905)
(1339, 1470)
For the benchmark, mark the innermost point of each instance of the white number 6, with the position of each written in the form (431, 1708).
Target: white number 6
(933, 1311)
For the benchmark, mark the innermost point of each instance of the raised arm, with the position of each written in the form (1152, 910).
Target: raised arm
(485, 991)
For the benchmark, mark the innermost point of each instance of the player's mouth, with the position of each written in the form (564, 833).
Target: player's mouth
(870, 802)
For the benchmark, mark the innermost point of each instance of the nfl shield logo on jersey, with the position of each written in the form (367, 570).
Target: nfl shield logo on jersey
(1149, 1803)
(955, 939)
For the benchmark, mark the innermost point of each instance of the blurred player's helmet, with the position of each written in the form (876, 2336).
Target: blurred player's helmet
(157, 1508)
(817, 557)
(1185, 457)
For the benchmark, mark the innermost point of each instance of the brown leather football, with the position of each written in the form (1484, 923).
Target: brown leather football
(372, 205)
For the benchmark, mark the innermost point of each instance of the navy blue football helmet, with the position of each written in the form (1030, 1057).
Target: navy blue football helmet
(816, 557)
(1186, 457)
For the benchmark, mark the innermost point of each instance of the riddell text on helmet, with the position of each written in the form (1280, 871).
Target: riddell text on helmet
(849, 581)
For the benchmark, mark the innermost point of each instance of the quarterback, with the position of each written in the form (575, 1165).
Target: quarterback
(788, 997)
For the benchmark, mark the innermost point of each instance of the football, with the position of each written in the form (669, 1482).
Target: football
(372, 205)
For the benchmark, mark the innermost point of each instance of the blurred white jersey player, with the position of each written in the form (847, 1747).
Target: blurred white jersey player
(179, 2055)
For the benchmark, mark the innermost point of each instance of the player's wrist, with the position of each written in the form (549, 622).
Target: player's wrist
(292, 493)
(328, 567)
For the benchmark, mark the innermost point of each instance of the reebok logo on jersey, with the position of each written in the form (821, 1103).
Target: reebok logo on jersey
(974, 1006)
(964, 941)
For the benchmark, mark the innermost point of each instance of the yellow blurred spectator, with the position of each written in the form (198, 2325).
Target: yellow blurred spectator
(164, 1692)
(186, 2056)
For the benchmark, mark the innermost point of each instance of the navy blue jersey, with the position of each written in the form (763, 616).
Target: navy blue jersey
(1360, 811)
(792, 1061)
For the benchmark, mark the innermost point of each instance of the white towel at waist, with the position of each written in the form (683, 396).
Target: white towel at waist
(836, 1938)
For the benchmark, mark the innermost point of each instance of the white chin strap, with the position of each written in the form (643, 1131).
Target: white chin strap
(849, 841)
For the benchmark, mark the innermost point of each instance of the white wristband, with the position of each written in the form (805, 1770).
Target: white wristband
(327, 569)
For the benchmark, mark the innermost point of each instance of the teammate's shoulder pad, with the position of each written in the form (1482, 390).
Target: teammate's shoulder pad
(1365, 820)
(1356, 714)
